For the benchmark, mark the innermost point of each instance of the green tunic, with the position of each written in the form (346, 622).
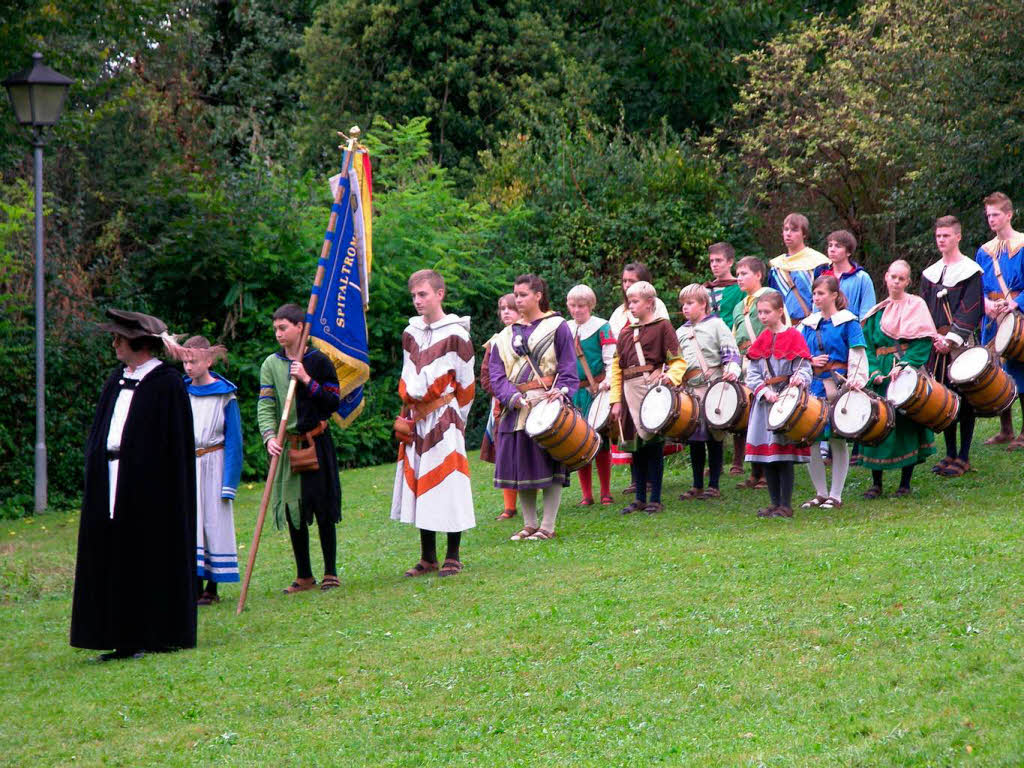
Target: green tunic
(909, 443)
(592, 346)
(724, 300)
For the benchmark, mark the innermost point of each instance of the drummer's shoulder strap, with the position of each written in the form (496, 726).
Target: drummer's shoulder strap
(640, 359)
(998, 270)
(791, 287)
(700, 355)
(582, 358)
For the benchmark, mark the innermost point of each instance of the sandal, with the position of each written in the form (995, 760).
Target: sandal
(817, 501)
(450, 568)
(746, 483)
(955, 468)
(901, 491)
(940, 466)
(1016, 444)
(420, 569)
(873, 492)
(629, 490)
(634, 506)
(692, 494)
(782, 512)
(300, 585)
(329, 581)
(654, 507)
(506, 515)
(736, 469)
(766, 512)
(761, 485)
(586, 503)
(606, 500)
(830, 503)
(524, 534)
(1000, 437)
(208, 598)
(541, 535)
(711, 493)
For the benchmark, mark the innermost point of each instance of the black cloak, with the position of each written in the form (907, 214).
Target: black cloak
(135, 579)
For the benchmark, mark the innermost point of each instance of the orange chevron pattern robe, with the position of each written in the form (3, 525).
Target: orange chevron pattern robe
(432, 489)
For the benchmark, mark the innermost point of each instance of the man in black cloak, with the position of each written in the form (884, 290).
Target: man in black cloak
(135, 580)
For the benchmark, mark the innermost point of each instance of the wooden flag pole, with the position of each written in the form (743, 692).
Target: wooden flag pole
(282, 428)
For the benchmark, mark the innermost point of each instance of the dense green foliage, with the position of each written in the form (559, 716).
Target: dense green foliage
(187, 175)
(882, 634)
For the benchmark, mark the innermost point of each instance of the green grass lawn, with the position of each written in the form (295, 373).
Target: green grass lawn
(885, 633)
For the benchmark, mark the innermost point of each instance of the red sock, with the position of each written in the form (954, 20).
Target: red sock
(509, 495)
(604, 472)
(586, 483)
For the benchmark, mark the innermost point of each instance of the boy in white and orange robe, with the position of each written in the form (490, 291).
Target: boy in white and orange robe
(432, 485)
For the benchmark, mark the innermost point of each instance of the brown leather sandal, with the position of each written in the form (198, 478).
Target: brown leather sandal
(955, 468)
(766, 512)
(817, 501)
(524, 534)
(782, 512)
(508, 513)
(653, 507)
(711, 493)
(300, 585)
(692, 494)
(421, 568)
(541, 535)
(329, 581)
(873, 492)
(942, 464)
(450, 568)
(634, 506)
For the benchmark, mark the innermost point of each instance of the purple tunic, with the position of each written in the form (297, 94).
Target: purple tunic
(520, 462)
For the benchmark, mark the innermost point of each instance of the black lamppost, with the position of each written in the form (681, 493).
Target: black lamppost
(37, 95)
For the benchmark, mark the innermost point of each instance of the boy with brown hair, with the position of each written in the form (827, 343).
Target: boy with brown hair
(793, 272)
(313, 492)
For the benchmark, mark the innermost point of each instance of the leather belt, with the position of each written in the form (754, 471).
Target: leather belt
(209, 449)
(831, 365)
(422, 410)
(312, 433)
(543, 382)
(890, 350)
(113, 455)
(744, 346)
(996, 295)
(636, 370)
(691, 374)
(775, 380)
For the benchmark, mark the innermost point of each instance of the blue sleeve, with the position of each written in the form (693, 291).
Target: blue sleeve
(810, 337)
(854, 335)
(232, 450)
(867, 296)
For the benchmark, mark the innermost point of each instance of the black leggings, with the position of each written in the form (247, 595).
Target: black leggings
(428, 546)
(779, 476)
(648, 467)
(966, 421)
(905, 474)
(300, 546)
(706, 450)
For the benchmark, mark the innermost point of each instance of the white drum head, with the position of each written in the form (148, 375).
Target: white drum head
(901, 388)
(852, 412)
(1004, 332)
(542, 417)
(600, 410)
(969, 365)
(720, 404)
(655, 408)
(783, 407)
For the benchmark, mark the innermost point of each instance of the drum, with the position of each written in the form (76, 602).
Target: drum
(982, 380)
(599, 415)
(799, 415)
(669, 412)
(1009, 341)
(923, 399)
(862, 416)
(727, 406)
(562, 431)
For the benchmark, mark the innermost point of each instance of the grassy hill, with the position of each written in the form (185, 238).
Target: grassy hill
(885, 633)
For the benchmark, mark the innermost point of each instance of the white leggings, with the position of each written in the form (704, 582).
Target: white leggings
(840, 468)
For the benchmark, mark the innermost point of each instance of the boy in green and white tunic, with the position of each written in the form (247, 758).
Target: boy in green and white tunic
(595, 349)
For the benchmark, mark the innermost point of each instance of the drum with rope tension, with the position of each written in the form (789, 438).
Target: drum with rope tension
(979, 377)
(670, 412)
(799, 415)
(923, 399)
(727, 406)
(862, 416)
(561, 430)
(1009, 341)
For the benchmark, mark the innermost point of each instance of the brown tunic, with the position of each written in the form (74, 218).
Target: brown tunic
(659, 344)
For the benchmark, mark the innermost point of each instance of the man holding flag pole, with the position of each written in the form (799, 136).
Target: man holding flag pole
(328, 379)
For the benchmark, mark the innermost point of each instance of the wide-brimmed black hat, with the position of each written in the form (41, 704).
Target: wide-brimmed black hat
(133, 325)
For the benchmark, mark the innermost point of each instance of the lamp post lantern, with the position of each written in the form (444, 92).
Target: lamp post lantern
(37, 95)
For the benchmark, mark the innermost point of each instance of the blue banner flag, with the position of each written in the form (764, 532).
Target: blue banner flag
(338, 326)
